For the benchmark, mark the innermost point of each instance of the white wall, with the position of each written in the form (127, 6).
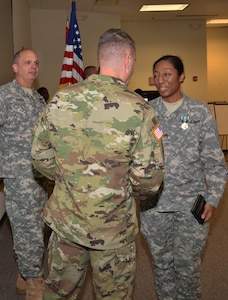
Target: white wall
(48, 40)
(21, 25)
(6, 44)
(152, 40)
(217, 60)
(185, 39)
(203, 50)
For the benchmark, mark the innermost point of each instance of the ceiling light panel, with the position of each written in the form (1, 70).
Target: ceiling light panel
(106, 2)
(217, 21)
(164, 7)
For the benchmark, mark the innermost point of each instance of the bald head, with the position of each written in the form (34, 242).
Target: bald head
(25, 67)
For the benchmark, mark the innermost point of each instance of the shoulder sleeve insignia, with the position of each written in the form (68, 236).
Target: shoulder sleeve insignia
(157, 131)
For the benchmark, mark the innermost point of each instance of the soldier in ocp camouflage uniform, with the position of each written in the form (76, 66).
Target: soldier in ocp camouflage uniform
(20, 106)
(102, 145)
(194, 165)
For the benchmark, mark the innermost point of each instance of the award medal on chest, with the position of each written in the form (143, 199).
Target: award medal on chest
(184, 122)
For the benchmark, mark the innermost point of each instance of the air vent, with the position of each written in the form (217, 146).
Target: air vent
(106, 2)
(203, 17)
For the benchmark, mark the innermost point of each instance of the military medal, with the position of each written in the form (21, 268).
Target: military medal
(184, 121)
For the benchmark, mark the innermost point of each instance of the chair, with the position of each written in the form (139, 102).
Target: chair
(212, 108)
(221, 115)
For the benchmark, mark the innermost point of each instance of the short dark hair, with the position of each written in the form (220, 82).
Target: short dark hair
(41, 89)
(89, 67)
(17, 55)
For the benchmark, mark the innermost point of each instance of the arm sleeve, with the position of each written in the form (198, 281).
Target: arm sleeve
(42, 152)
(213, 160)
(147, 170)
(2, 110)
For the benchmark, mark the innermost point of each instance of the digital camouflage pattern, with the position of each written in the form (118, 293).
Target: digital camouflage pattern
(194, 161)
(18, 113)
(25, 195)
(96, 139)
(194, 164)
(176, 266)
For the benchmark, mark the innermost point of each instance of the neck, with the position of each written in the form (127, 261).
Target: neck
(173, 98)
(26, 84)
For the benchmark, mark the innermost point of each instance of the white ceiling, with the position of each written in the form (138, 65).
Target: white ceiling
(128, 9)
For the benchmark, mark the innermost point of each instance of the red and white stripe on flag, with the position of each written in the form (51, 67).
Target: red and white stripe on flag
(72, 67)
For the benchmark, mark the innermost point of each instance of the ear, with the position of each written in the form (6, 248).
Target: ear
(15, 68)
(151, 80)
(127, 61)
(182, 78)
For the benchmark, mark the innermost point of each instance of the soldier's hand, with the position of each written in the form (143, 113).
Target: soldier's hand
(208, 212)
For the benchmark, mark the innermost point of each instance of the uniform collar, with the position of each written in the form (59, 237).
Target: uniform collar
(105, 78)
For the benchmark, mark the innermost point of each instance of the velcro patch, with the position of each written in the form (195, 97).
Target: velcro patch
(157, 131)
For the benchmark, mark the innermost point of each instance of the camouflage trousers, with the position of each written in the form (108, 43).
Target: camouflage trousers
(176, 241)
(113, 271)
(25, 199)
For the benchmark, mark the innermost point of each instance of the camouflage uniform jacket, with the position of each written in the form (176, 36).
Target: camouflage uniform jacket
(18, 113)
(194, 161)
(96, 139)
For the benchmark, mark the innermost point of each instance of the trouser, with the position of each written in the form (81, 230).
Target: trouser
(25, 199)
(113, 271)
(176, 241)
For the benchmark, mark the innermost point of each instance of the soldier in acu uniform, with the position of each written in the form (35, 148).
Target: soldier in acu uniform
(101, 144)
(194, 165)
(20, 106)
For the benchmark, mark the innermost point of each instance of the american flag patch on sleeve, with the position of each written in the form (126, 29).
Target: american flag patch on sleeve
(157, 131)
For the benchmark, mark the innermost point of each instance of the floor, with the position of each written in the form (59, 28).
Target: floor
(214, 266)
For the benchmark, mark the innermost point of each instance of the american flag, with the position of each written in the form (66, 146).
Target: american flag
(72, 68)
(158, 132)
(67, 29)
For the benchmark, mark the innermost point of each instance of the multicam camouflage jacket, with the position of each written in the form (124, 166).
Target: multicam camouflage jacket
(101, 143)
(18, 113)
